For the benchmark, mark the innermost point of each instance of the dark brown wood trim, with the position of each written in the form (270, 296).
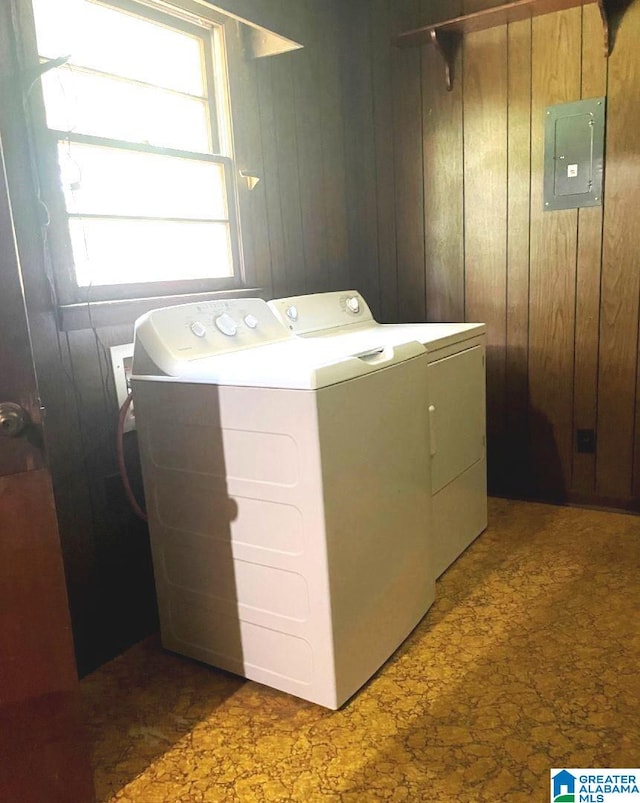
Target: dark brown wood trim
(611, 504)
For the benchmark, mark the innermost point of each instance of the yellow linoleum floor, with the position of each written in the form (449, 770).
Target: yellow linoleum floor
(529, 659)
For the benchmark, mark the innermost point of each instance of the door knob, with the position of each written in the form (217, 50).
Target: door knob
(13, 419)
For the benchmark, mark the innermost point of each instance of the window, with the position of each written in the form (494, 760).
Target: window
(138, 118)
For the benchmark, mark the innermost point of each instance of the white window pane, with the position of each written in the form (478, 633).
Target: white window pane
(129, 251)
(108, 181)
(87, 103)
(113, 41)
(59, 26)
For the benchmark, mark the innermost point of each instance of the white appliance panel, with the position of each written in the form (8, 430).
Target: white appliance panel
(459, 510)
(457, 414)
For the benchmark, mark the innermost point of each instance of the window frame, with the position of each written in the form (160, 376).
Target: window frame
(211, 30)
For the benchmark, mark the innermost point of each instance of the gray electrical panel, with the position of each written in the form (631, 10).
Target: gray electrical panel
(574, 154)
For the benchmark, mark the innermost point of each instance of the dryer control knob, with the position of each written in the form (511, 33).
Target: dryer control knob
(251, 321)
(226, 324)
(292, 313)
(198, 329)
(353, 304)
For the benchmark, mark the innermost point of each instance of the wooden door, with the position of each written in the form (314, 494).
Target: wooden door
(43, 756)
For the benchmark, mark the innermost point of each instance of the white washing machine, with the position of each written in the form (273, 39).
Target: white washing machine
(455, 400)
(286, 495)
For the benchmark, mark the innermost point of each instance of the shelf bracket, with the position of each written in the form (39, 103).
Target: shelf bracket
(447, 45)
(611, 12)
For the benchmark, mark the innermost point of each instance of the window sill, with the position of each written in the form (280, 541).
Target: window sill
(98, 314)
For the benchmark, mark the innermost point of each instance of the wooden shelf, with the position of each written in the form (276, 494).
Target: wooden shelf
(446, 36)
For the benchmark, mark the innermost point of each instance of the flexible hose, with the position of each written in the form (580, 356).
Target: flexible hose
(121, 464)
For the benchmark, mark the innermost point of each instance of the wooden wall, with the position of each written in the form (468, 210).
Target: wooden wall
(289, 130)
(558, 290)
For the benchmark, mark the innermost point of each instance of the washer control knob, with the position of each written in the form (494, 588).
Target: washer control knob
(251, 321)
(353, 304)
(226, 324)
(292, 313)
(198, 329)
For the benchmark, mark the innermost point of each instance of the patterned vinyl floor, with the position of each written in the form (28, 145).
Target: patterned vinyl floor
(529, 659)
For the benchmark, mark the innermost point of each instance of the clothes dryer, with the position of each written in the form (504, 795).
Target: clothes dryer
(455, 401)
(286, 495)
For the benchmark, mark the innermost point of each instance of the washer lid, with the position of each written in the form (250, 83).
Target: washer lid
(294, 365)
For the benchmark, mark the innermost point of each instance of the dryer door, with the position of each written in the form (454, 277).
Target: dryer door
(456, 414)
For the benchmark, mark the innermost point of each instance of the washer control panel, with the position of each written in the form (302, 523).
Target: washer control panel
(206, 329)
(319, 311)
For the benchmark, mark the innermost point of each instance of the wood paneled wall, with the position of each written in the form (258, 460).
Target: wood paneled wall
(559, 291)
(289, 129)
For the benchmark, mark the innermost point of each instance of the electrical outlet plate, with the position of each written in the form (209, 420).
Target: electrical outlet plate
(586, 441)
(121, 363)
